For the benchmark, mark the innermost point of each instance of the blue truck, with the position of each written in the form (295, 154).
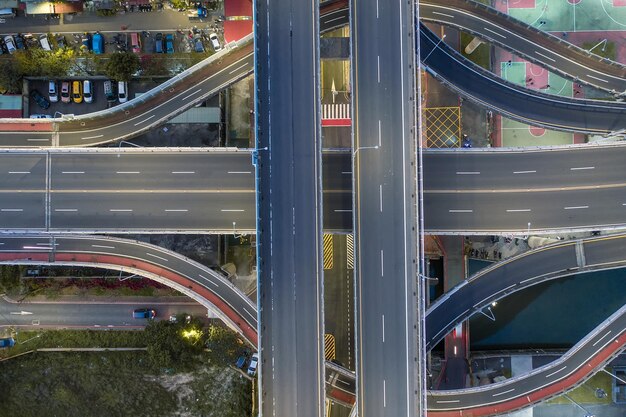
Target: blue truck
(199, 13)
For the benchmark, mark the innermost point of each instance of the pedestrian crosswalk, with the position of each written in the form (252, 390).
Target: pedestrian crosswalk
(336, 111)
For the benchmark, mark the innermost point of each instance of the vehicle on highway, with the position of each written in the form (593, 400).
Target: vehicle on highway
(45, 43)
(97, 43)
(86, 41)
(215, 42)
(87, 91)
(169, 43)
(7, 342)
(144, 313)
(158, 43)
(254, 362)
(40, 99)
(77, 92)
(65, 92)
(40, 116)
(135, 42)
(108, 91)
(19, 42)
(122, 91)
(10, 44)
(53, 94)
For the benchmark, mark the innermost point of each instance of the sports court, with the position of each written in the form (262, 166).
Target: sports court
(534, 77)
(568, 15)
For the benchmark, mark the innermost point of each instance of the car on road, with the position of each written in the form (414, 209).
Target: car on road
(45, 43)
(108, 91)
(122, 91)
(97, 43)
(254, 362)
(88, 91)
(86, 41)
(77, 92)
(40, 99)
(215, 42)
(135, 42)
(7, 342)
(53, 94)
(158, 43)
(10, 44)
(169, 43)
(144, 313)
(65, 92)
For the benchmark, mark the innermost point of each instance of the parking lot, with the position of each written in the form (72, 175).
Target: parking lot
(99, 101)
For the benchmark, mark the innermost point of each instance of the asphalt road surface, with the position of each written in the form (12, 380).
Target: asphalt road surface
(539, 47)
(387, 361)
(511, 100)
(289, 209)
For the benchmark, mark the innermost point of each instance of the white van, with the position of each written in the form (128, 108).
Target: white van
(122, 91)
(45, 44)
(87, 93)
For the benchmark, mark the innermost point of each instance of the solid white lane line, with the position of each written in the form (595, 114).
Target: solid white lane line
(443, 14)
(378, 61)
(128, 172)
(120, 210)
(596, 78)
(460, 211)
(383, 328)
(19, 172)
(247, 311)
(66, 210)
(575, 207)
(342, 211)
(234, 210)
(529, 279)
(448, 401)
(495, 33)
(192, 94)
(10, 209)
(145, 120)
(210, 282)
(581, 168)
(468, 173)
(382, 263)
(600, 339)
(384, 393)
(240, 172)
(524, 172)
(176, 210)
(91, 137)
(555, 372)
(380, 134)
(103, 246)
(545, 56)
(183, 172)
(157, 256)
(38, 140)
(504, 392)
(381, 197)
(72, 172)
(517, 210)
(238, 68)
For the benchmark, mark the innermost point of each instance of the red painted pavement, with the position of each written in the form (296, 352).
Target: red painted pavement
(544, 393)
(336, 122)
(26, 127)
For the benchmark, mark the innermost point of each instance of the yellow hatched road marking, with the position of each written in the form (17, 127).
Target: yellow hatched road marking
(328, 251)
(350, 250)
(329, 347)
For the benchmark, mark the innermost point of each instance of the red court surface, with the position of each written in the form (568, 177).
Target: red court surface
(536, 76)
(236, 29)
(619, 3)
(521, 4)
(237, 8)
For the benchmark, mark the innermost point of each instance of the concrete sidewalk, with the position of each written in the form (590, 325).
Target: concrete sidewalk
(77, 299)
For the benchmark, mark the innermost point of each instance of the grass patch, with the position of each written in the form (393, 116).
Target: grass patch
(609, 50)
(481, 55)
(586, 393)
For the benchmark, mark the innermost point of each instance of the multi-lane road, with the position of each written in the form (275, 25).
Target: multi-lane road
(388, 364)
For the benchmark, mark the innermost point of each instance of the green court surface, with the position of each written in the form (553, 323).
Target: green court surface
(571, 15)
(515, 134)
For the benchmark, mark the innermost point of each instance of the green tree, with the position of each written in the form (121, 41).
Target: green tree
(38, 62)
(10, 76)
(121, 66)
(223, 345)
(10, 276)
(167, 348)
